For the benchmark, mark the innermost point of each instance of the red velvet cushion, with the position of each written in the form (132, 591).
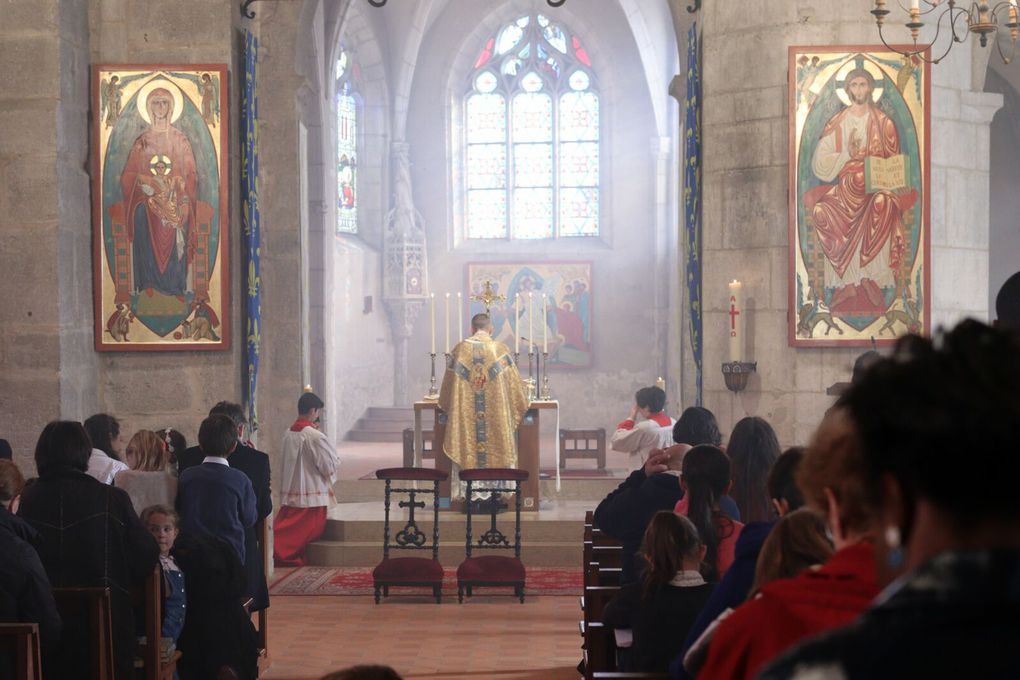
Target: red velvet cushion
(398, 569)
(491, 568)
(411, 473)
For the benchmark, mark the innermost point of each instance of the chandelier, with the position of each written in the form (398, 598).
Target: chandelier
(953, 23)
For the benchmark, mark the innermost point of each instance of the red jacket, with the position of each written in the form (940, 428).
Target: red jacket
(789, 610)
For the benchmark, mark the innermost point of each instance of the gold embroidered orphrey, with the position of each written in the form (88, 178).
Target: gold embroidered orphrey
(484, 401)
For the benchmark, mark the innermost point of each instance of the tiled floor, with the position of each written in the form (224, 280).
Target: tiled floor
(487, 637)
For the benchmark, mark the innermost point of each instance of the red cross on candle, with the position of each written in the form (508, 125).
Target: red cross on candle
(733, 316)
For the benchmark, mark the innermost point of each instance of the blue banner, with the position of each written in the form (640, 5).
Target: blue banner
(250, 222)
(692, 200)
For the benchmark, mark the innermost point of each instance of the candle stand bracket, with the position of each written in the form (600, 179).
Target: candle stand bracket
(737, 373)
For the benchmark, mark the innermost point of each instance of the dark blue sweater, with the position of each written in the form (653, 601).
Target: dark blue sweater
(217, 500)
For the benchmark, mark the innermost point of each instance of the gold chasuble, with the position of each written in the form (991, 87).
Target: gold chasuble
(484, 400)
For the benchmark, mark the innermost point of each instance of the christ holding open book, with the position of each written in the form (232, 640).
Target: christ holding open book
(858, 219)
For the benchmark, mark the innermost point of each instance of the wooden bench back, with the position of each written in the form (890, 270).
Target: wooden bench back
(95, 604)
(21, 642)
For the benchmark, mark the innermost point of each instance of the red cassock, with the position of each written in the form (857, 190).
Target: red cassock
(174, 145)
(846, 218)
(790, 610)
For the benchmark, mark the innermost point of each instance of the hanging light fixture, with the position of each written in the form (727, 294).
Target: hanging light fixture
(981, 18)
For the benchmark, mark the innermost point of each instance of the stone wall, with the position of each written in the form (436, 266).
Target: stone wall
(745, 200)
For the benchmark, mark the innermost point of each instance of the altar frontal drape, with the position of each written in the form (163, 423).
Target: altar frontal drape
(250, 222)
(692, 199)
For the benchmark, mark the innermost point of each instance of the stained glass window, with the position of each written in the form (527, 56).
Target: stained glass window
(532, 135)
(346, 143)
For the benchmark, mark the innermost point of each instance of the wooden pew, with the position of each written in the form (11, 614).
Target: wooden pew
(21, 640)
(154, 666)
(95, 603)
(262, 617)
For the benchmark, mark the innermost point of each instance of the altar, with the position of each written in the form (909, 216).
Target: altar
(528, 453)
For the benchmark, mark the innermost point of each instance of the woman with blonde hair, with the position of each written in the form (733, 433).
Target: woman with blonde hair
(150, 480)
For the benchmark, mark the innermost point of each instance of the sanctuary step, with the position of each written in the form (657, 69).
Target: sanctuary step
(382, 424)
(354, 533)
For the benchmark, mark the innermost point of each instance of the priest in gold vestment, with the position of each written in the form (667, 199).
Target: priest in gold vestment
(484, 401)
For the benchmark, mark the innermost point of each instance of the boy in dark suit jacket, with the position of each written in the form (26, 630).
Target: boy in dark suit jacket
(213, 498)
(255, 464)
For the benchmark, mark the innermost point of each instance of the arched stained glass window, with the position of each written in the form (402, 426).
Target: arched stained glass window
(346, 143)
(532, 135)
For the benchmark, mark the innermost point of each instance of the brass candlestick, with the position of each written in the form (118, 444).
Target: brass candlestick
(433, 394)
(545, 396)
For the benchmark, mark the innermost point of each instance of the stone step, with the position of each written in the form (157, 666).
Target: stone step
(390, 413)
(375, 425)
(453, 528)
(365, 436)
(593, 490)
(369, 553)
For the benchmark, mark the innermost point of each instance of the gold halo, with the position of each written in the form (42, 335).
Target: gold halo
(143, 95)
(867, 65)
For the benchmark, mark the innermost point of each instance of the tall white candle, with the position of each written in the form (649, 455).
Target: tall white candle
(517, 323)
(735, 320)
(545, 323)
(531, 322)
(460, 317)
(432, 314)
(915, 4)
(446, 326)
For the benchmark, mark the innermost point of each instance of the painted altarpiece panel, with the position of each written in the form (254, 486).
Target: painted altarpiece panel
(859, 196)
(160, 207)
(567, 322)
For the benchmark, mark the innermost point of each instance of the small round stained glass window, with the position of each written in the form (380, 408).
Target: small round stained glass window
(579, 80)
(531, 82)
(486, 82)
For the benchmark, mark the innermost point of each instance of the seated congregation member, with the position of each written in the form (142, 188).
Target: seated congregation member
(697, 425)
(254, 464)
(798, 541)
(643, 430)
(162, 522)
(90, 536)
(25, 592)
(624, 514)
(6, 452)
(309, 466)
(176, 445)
(662, 606)
(735, 586)
(367, 672)
(936, 426)
(753, 449)
(787, 611)
(107, 457)
(218, 639)
(705, 479)
(149, 480)
(213, 498)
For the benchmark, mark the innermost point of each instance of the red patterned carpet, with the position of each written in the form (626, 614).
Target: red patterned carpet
(358, 581)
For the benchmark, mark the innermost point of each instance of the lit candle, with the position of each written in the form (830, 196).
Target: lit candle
(446, 326)
(545, 324)
(517, 323)
(432, 313)
(531, 322)
(735, 309)
(460, 317)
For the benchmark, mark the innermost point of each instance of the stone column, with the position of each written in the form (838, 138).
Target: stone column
(49, 367)
(745, 215)
(405, 269)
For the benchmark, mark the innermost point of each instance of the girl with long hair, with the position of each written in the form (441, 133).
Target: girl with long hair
(753, 449)
(705, 479)
(661, 608)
